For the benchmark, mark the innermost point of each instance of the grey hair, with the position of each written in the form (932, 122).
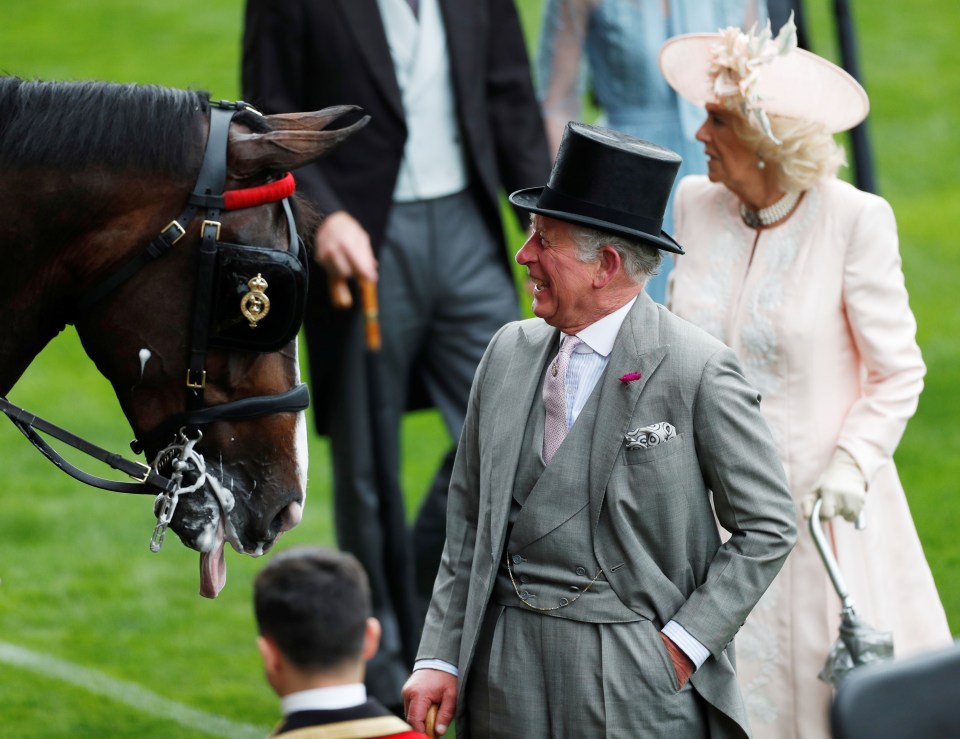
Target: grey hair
(640, 259)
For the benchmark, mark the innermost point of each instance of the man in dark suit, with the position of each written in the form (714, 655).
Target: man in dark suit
(411, 203)
(312, 607)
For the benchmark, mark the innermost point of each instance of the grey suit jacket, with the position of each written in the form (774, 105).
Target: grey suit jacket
(655, 533)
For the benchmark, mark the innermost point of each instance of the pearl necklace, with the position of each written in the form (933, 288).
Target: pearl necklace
(772, 213)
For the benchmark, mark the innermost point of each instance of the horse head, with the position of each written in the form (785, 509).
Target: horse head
(233, 433)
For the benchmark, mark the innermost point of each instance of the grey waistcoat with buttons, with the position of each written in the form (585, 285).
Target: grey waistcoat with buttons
(557, 572)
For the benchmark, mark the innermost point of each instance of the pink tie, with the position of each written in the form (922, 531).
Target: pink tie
(555, 399)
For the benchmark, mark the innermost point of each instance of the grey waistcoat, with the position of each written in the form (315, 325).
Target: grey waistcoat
(558, 571)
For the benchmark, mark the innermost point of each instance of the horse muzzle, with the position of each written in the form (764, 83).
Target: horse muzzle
(213, 507)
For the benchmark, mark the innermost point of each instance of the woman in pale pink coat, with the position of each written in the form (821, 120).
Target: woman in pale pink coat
(800, 274)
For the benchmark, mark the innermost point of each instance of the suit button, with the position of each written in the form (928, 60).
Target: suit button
(524, 594)
(517, 559)
(581, 571)
(524, 579)
(564, 602)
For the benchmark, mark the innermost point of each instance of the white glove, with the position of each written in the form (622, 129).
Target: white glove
(841, 487)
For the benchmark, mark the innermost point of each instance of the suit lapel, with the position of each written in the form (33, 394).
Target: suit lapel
(637, 349)
(535, 341)
(364, 21)
(598, 432)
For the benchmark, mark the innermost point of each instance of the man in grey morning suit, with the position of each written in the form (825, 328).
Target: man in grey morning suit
(591, 594)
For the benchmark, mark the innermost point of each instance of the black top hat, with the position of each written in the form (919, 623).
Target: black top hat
(610, 181)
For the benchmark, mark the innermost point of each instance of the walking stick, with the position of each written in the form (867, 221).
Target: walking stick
(397, 562)
(431, 721)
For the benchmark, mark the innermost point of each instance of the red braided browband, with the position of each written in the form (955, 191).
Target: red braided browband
(249, 197)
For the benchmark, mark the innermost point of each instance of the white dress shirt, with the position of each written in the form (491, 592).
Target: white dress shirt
(434, 164)
(324, 699)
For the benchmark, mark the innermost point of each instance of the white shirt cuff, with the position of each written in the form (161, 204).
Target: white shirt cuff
(688, 644)
(436, 664)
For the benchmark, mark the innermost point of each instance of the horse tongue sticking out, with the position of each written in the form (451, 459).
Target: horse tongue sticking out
(213, 564)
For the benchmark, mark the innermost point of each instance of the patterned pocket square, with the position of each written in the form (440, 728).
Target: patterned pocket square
(649, 436)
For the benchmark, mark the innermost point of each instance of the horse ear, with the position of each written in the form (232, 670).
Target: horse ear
(296, 139)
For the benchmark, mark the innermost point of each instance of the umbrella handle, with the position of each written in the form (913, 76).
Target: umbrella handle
(371, 314)
(826, 554)
(430, 721)
(341, 298)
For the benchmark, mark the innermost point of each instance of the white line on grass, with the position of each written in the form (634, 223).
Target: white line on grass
(130, 694)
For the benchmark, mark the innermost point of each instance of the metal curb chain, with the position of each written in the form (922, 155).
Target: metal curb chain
(188, 458)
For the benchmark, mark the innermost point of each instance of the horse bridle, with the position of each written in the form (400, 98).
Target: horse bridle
(185, 428)
(208, 194)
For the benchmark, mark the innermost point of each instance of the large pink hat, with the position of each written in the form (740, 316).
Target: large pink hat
(763, 75)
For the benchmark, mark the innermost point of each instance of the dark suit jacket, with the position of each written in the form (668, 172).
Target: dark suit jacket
(310, 54)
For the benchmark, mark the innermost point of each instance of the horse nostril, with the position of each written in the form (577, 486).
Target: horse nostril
(262, 532)
(276, 525)
(288, 518)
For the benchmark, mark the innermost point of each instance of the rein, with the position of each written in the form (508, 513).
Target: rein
(189, 468)
(148, 480)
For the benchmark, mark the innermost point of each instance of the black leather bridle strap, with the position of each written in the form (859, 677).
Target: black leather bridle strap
(160, 245)
(149, 483)
(210, 181)
(292, 401)
(200, 322)
(207, 193)
(213, 169)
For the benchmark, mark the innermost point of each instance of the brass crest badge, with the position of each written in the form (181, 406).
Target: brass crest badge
(255, 304)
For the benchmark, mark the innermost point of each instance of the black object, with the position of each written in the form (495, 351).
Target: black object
(859, 136)
(397, 558)
(608, 180)
(913, 697)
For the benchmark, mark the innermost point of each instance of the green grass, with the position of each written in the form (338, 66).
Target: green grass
(910, 64)
(77, 581)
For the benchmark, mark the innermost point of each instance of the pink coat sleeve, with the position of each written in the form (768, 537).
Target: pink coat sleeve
(883, 329)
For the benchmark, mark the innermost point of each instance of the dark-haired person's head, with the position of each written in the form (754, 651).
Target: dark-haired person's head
(312, 606)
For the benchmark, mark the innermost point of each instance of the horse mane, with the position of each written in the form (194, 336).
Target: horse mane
(124, 127)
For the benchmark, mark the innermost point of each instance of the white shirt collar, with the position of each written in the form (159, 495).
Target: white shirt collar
(320, 699)
(600, 336)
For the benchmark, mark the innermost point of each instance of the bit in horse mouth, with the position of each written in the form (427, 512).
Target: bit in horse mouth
(163, 464)
(201, 521)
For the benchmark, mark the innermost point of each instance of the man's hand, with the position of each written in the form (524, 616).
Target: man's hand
(682, 664)
(342, 247)
(841, 487)
(427, 687)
